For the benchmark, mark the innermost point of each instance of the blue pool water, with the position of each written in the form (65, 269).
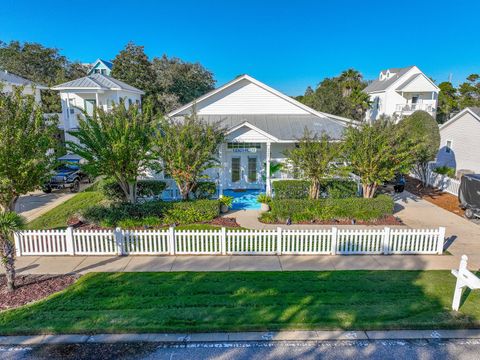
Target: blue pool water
(244, 200)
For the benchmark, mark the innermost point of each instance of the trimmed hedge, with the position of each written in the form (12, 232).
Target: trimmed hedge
(299, 210)
(298, 189)
(153, 213)
(145, 188)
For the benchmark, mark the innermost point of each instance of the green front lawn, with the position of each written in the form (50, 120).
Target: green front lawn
(58, 216)
(240, 301)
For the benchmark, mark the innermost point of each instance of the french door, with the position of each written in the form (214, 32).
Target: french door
(243, 171)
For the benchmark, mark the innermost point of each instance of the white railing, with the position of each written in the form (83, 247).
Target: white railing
(414, 107)
(331, 241)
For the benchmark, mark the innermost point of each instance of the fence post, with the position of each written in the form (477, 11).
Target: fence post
(118, 236)
(18, 243)
(386, 241)
(223, 241)
(441, 238)
(69, 241)
(333, 250)
(279, 241)
(171, 240)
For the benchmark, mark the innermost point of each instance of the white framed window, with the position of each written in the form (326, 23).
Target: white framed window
(448, 146)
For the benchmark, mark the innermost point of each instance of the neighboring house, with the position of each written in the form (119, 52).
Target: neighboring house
(261, 123)
(398, 92)
(460, 141)
(92, 91)
(9, 81)
(100, 66)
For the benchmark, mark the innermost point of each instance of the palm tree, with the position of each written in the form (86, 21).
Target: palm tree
(10, 222)
(350, 80)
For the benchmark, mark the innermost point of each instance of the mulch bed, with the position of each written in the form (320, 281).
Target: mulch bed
(31, 288)
(220, 221)
(435, 196)
(387, 220)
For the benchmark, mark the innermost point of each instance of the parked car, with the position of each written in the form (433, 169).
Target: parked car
(68, 175)
(469, 195)
(397, 184)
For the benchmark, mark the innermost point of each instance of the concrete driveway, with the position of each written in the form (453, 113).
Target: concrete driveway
(34, 204)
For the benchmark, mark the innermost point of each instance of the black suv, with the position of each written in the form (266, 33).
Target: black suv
(66, 175)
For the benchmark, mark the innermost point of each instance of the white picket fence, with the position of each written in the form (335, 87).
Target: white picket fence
(441, 182)
(226, 242)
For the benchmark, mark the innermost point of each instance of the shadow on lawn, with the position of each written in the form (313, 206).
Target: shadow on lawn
(245, 301)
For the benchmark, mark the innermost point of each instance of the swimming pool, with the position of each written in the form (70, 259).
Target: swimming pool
(244, 200)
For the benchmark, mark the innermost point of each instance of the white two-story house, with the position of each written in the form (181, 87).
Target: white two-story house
(9, 81)
(86, 93)
(399, 92)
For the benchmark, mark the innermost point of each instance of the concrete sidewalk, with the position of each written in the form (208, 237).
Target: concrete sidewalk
(306, 335)
(86, 264)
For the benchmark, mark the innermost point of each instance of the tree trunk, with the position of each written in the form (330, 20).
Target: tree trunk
(185, 190)
(132, 193)
(369, 190)
(314, 190)
(9, 260)
(10, 205)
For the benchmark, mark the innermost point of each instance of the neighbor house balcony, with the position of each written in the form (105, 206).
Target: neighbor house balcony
(410, 108)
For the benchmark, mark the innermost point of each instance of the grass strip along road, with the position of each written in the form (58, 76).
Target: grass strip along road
(242, 301)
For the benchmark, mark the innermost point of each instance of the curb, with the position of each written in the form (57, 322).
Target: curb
(313, 335)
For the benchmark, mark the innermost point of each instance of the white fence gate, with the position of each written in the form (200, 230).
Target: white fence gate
(227, 242)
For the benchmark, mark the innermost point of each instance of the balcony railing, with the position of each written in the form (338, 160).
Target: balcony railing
(414, 107)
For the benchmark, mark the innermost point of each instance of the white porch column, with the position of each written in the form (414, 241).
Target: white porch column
(97, 103)
(220, 171)
(269, 185)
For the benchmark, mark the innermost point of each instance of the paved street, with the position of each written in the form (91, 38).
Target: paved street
(360, 349)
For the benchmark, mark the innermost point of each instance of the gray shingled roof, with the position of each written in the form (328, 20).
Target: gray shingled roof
(97, 81)
(380, 85)
(8, 77)
(283, 127)
(475, 109)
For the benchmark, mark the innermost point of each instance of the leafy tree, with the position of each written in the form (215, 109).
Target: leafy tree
(422, 130)
(26, 144)
(40, 64)
(117, 144)
(313, 157)
(469, 92)
(187, 148)
(376, 152)
(10, 222)
(342, 95)
(185, 81)
(132, 66)
(447, 101)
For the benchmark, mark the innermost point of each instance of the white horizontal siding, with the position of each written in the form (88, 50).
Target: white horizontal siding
(464, 133)
(245, 97)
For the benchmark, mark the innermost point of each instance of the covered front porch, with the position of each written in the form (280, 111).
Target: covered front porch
(246, 158)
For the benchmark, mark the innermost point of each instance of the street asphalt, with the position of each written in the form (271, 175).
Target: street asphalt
(359, 349)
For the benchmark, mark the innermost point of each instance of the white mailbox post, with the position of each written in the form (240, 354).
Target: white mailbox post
(465, 278)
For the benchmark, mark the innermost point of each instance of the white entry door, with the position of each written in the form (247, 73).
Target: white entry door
(243, 171)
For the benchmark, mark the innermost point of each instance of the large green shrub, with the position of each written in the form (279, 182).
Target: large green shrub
(298, 189)
(145, 188)
(205, 190)
(299, 210)
(152, 213)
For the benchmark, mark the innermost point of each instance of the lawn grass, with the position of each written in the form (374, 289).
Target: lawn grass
(241, 301)
(57, 217)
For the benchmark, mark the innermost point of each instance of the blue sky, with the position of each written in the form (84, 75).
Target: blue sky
(286, 44)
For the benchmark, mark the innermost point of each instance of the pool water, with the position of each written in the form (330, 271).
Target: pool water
(244, 200)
